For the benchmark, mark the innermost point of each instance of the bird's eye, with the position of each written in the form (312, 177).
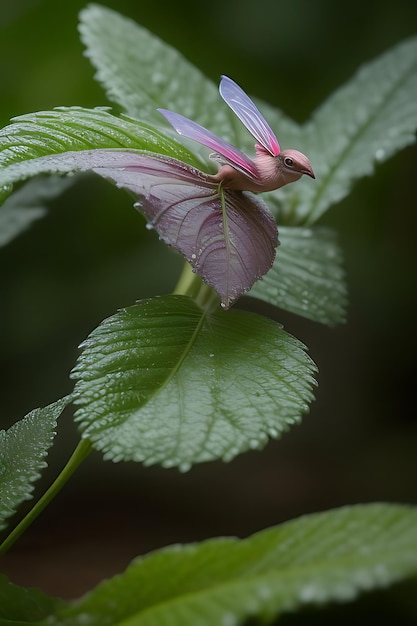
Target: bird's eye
(288, 162)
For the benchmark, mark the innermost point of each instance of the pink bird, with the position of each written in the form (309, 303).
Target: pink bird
(226, 232)
(269, 170)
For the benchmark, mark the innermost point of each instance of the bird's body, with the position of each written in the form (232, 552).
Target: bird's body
(273, 171)
(270, 169)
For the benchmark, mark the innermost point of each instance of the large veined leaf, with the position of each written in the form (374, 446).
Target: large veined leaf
(228, 237)
(316, 559)
(163, 382)
(364, 123)
(307, 277)
(23, 448)
(39, 135)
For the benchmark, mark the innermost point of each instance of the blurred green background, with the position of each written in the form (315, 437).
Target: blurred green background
(92, 255)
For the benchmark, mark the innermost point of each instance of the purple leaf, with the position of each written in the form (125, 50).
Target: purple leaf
(225, 232)
(228, 237)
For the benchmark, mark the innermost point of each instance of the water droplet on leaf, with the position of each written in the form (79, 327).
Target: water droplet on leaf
(5, 191)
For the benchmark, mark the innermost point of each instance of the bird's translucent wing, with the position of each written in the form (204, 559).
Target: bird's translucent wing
(194, 131)
(249, 114)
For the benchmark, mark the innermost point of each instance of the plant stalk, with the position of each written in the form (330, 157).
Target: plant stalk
(190, 284)
(80, 453)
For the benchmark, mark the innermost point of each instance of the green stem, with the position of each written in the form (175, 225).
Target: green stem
(189, 284)
(80, 453)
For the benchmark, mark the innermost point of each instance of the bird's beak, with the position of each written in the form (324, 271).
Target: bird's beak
(309, 172)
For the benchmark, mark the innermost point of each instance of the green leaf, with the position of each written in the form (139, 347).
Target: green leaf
(307, 277)
(20, 606)
(364, 123)
(23, 448)
(31, 138)
(326, 557)
(27, 205)
(141, 73)
(164, 382)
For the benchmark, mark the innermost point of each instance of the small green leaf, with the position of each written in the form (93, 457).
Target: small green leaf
(27, 205)
(364, 123)
(20, 606)
(28, 144)
(141, 73)
(23, 448)
(164, 382)
(326, 557)
(307, 277)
